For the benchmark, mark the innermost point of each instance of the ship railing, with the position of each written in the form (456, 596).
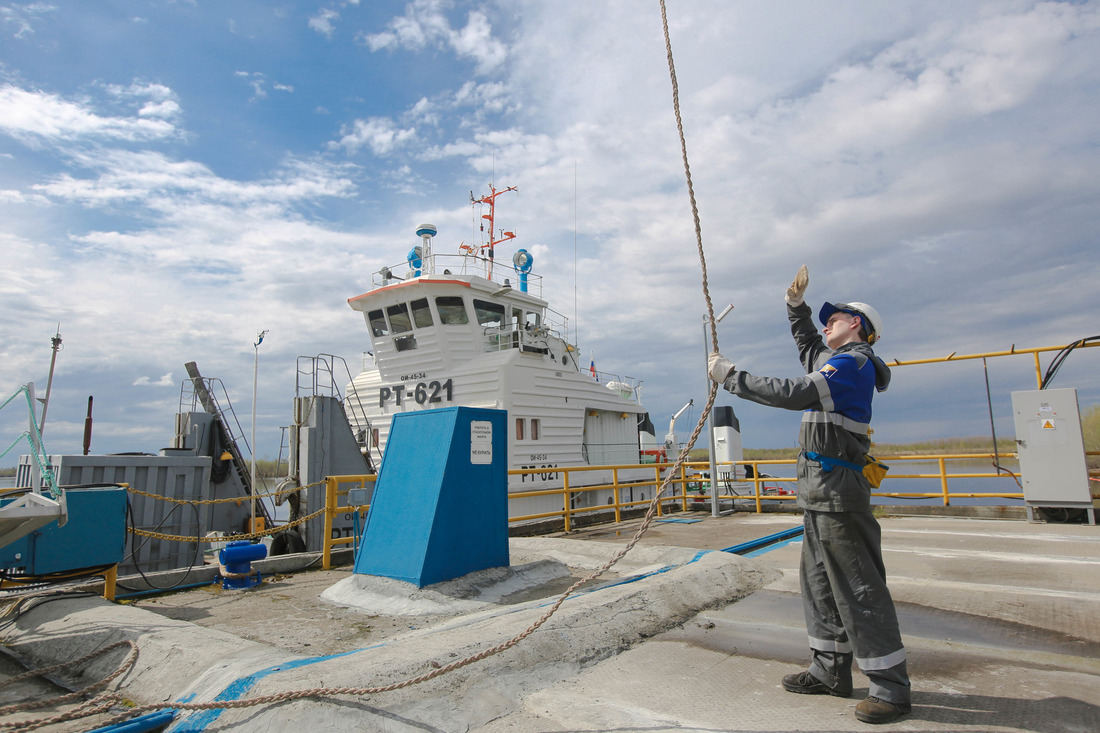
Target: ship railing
(555, 321)
(473, 263)
(316, 377)
(519, 336)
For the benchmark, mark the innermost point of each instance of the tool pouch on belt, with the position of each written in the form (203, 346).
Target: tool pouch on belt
(875, 471)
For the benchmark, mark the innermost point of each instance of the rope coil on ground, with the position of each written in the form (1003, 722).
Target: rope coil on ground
(650, 513)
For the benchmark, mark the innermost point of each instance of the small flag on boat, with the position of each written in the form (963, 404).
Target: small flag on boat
(592, 369)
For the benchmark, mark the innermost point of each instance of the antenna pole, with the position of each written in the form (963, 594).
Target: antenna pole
(491, 200)
(56, 341)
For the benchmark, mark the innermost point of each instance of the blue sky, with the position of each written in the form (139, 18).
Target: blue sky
(177, 176)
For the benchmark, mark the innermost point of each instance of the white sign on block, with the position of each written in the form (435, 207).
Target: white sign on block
(481, 442)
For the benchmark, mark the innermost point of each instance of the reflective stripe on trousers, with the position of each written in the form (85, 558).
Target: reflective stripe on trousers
(847, 605)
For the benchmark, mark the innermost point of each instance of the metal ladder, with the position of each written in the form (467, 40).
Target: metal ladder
(202, 392)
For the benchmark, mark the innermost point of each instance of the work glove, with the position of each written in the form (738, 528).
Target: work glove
(719, 367)
(797, 290)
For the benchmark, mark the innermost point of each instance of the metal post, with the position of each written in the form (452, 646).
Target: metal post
(710, 426)
(255, 376)
(710, 418)
(35, 439)
(56, 341)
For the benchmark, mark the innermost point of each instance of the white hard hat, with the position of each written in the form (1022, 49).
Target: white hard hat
(872, 321)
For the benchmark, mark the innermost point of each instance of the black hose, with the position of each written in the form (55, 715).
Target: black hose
(1060, 358)
(135, 550)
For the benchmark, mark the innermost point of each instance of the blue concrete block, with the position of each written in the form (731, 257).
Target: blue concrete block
(440, 505)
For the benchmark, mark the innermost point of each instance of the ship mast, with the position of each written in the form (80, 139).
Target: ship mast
(491, 200)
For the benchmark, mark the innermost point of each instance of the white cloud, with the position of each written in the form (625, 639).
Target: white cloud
(169, 187)
(165, 381)
(379, 134)
(37, 116)
(424, 24)
(475, 40)
(923, 85)
(258, 81)
(323, 21)
(490, 97)
(20, 19)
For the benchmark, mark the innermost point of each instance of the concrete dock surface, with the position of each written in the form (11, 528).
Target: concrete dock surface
(999, 618)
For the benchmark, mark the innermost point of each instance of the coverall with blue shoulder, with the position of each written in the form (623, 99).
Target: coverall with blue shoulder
(848, 608)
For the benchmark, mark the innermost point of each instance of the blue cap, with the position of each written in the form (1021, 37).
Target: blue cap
(829, 309)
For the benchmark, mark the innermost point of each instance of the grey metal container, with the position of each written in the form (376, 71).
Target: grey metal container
(181, 477)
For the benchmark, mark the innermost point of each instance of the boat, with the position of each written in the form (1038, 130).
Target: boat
(463, 329)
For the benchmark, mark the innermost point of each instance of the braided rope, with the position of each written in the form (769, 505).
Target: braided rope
(227, 538)
(226, 500)
(321, 692)
(98, 704)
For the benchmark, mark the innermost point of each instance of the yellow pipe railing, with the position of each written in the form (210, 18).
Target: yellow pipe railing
(690, 486)
(333, 492)
(991, 354)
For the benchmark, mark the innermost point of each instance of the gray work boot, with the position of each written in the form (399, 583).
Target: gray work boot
(805, 683)
(874, 710)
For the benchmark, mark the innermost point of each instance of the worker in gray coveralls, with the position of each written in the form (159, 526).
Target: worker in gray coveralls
(847, 605)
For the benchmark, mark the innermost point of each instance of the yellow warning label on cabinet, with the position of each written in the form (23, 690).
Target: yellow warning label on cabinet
(1048, 425)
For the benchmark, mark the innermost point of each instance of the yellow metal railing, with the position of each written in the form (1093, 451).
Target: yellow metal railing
(333, 492)
(690, 486)
(991, 354)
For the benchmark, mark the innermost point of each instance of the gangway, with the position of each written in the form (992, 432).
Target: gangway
(226, 421)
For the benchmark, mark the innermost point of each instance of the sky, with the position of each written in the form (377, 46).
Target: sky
(178, 176)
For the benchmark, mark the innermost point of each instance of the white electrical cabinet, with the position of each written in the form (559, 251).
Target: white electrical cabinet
(1052, 451)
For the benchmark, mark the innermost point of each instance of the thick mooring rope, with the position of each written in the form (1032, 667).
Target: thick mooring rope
(321, 692)
(99, 704)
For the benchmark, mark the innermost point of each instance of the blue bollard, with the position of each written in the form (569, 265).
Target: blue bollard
(236, 558)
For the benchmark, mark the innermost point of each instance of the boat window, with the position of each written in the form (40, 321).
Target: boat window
(535, 428)
(533, 319)
(399, 318)
(519, 428)
(489, 314)
(422, 315)
(377, 323)
(451, 310)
